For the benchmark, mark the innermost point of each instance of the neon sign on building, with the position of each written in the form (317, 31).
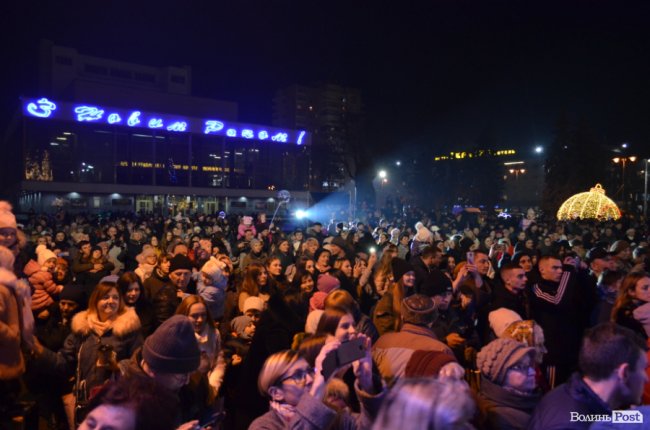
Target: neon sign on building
(96, 114)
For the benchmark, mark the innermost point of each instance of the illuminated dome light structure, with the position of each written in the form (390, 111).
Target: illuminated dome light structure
(590, 205)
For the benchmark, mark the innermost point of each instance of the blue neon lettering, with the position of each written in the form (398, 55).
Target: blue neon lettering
(213, 126)
(134, 119)
(42, 108)
(280, 137)
(247, 133)
(114, 118)
(178, 126)
(88, 113)
(155, 123)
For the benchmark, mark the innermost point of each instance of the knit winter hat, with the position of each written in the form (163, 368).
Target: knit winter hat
(419, 309)
(74, 293)
(172, 348)
(400, 268)
(7, 258)
(498, 356)
(313, 318)
(7, 218)
(180, 262)
(213, 268)
(317, 301)
(427, 363)
(238, 324)
(254, 303)
(501, 318)
(43, 254)
(327, 283)
(147, 251)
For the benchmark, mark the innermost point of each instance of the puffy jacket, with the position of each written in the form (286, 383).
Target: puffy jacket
(12, 363)
(44, 286)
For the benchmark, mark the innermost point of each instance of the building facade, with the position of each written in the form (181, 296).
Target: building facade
(105, 135)
(333, 115)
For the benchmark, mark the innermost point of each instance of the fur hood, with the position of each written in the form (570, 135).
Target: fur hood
(125, 324)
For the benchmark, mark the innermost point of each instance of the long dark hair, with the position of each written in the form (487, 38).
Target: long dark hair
(625, 297)
(123, 284)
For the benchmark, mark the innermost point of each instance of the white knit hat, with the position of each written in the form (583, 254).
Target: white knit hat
(312, 320)
(254, 302)
(147, 251)
(501, 319)
(213, 268)
(43, 254)
(7, 218)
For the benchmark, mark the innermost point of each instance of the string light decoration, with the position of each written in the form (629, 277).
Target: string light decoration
(590, 205)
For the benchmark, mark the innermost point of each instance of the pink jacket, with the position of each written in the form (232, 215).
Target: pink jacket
(43, 284)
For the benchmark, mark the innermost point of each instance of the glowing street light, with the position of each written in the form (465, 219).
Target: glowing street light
(517, 172)
(539, 149)
(382, 174)
(623, 161)
(398, 163)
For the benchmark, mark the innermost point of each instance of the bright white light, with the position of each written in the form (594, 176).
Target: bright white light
(624, 145)
(301, 214)
(382, 174)
(398, 163)
(539, 149)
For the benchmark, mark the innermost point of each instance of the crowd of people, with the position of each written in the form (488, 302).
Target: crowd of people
(439, 320)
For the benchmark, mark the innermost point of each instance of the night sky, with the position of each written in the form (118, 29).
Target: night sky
(433, 74)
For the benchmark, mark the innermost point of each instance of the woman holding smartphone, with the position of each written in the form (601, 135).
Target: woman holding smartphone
(295, 392)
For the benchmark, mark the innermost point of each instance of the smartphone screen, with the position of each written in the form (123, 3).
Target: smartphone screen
(470, 257)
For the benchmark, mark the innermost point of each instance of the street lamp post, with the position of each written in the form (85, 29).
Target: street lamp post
(623, 161)
(516, 172)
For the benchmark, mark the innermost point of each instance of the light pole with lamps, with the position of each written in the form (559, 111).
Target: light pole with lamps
(516, 172)
(623, 161)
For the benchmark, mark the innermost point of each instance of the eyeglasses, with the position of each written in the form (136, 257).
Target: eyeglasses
(300, 376)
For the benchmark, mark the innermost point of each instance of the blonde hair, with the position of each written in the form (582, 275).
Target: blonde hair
(426, 403)
(274, 368)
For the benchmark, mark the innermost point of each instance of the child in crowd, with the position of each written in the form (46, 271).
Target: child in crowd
(40, 276)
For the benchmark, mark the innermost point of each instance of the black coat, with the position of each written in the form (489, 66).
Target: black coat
(275, 331)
